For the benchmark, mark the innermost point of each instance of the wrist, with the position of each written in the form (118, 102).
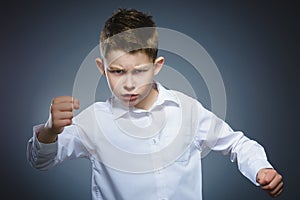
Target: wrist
(46, 135)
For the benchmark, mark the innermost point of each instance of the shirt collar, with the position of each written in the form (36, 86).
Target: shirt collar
(165, 97)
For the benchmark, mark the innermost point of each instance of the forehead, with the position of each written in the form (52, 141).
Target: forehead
(124, 59)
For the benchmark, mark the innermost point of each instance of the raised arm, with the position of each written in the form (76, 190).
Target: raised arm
(56, 140)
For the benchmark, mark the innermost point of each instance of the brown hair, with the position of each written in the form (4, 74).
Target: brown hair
(132, 33)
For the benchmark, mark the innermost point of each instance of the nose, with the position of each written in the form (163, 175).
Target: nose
(129, 85)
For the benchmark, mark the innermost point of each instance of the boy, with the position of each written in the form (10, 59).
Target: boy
(142, 117)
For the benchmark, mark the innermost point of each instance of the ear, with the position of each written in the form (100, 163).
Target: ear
(100, 66)
(158, 63)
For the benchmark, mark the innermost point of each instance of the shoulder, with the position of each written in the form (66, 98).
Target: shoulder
(184, 98)
(188, 101)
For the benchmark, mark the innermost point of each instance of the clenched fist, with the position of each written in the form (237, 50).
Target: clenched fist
(61, 115)
(271, 181)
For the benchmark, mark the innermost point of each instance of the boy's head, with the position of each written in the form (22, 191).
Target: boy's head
(129, 46)
(129, 30)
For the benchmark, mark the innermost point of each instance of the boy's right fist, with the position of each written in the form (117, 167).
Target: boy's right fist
(61, 115)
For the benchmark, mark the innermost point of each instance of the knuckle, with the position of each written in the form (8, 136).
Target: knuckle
(268, 187)
(54, 116)
(274, 172)
(54, 107)
(68, 122)
(54, 100)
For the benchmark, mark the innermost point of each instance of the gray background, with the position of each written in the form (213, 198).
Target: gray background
(254, 44)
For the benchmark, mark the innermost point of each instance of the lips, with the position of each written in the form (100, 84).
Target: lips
(130, 97)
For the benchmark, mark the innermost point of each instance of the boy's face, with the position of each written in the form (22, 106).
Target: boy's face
(130, 77)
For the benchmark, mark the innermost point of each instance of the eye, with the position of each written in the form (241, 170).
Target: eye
(139, 71)
(116, 71)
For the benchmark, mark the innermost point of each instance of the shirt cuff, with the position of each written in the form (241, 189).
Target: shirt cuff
(43, 148)
(254, 168)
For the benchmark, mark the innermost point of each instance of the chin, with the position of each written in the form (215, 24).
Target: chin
(130, 103)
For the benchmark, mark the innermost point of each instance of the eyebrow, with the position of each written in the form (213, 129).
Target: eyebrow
(117, 67)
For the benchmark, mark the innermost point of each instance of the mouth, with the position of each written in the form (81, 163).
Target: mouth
(130, 97)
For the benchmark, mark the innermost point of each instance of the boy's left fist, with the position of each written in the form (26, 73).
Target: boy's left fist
(271, 181)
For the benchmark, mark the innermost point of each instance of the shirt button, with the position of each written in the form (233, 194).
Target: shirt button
(154, 141)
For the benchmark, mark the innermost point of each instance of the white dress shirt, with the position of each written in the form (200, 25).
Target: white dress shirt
(126, 165)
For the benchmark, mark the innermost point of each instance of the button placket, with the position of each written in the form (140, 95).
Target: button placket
(159, 173)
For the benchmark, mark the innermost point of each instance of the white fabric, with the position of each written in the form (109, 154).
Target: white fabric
(115, 175)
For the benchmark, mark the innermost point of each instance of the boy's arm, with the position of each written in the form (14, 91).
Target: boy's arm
(252, 161)
(53, 142)
(68, 145)
(41, 155)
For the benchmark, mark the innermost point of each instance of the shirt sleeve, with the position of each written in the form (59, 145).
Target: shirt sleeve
(214, 134)
(67, 146)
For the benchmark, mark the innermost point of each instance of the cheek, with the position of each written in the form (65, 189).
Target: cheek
(145, 86)
(111, 83)
(145, 79)
(115, 83)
